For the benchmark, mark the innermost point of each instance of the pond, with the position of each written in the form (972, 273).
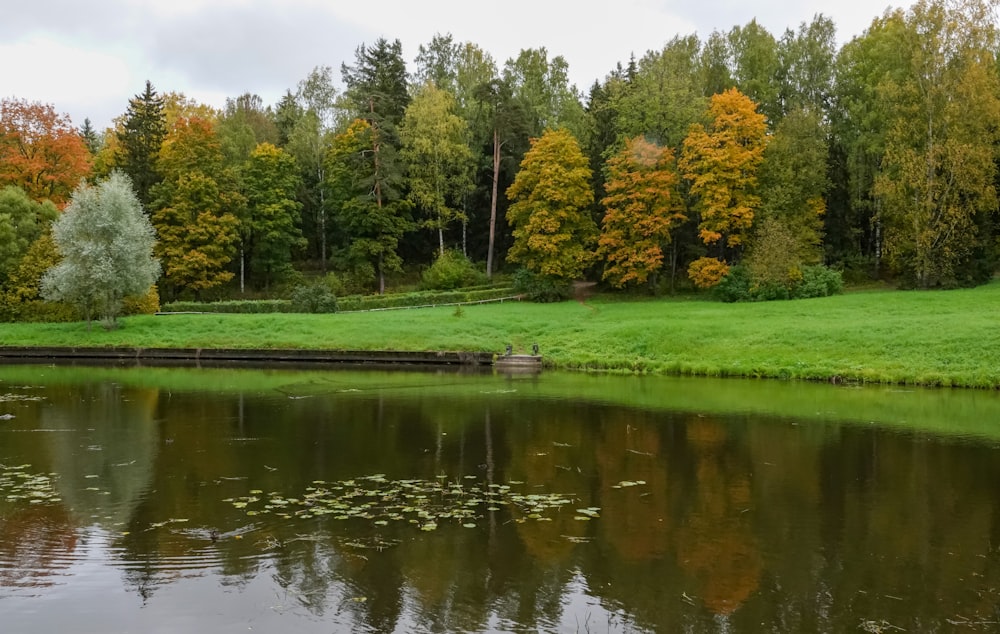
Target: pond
(235, 500)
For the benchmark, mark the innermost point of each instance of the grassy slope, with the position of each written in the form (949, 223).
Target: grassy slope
(934, 338)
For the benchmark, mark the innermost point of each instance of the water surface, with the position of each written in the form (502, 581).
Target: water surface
(221, 500)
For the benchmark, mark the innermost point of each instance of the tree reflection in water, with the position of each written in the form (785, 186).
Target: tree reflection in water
(699, 521)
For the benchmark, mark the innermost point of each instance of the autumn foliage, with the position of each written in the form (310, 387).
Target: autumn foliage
(40, 151)
(642, 207)
(707, 272)
(551, 197)
(194, 219)
(721, 163)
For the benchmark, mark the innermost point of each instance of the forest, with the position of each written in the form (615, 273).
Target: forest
(759, 165)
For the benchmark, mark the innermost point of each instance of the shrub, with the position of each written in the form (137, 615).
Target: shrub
(314, 298)
(735, 286)
(816, 281)
(235, 306)
(37, 311)
(450, 270)
(820, 281)
(147, 304)
(540, 288)
(707, 272)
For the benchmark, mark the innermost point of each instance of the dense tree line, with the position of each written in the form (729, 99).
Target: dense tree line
(741, 151)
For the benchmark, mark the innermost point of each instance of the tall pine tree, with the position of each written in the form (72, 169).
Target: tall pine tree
(139, 141)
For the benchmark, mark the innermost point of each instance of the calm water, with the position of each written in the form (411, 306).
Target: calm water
(199, 500)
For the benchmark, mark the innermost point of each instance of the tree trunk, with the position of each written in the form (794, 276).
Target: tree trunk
(381, 276)
(322, 221)
(493, 201)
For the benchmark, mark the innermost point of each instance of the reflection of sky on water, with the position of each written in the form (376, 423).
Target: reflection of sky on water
(708, 522)
(90, 592)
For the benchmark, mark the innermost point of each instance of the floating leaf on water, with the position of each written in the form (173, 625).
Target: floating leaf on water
(381, 523)
(429, 526)
(469, 525)
(582, 518)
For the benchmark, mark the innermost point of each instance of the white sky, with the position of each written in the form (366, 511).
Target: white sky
(88, 58)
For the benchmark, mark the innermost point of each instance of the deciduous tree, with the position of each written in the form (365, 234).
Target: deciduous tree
(106, 243)
(22, 221)
(793, 181)
(40, 151)
(721, 163)
(551, 194)
(196, 210)
(642, 207)
(542, 86)
(937, 182)
(436, 150)
(271, 229)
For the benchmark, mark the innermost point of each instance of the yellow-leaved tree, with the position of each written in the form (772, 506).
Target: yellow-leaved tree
(642, 207)
(721, 160)
(551, 194)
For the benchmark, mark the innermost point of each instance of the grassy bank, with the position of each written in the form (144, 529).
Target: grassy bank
(929, 338)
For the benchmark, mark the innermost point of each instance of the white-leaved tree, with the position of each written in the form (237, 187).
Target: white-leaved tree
(106, 245)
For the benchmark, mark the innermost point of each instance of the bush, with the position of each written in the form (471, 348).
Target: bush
(540, 288)
(37, 311)
(246, 306)
(342, 304)
(422, 298)
(314, 298)
(451, 270)
(148, 304)
(816, 281)
(735, 286)
(707, 272)
(820, 281)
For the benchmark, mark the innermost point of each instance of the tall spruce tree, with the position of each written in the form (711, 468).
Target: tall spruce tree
(139, 141)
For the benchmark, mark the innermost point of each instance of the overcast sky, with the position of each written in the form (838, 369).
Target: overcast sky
(88, 58)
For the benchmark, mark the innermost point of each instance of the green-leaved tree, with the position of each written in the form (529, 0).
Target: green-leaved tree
(106, 244)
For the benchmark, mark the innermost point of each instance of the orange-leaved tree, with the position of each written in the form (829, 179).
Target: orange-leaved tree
(642, 207)
(40, 151)
(721, 161)
(551, 194)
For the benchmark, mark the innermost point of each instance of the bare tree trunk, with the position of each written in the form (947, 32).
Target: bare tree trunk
(493, 202)
(322, 221)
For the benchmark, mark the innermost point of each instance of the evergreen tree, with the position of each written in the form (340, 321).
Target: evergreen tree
(368, 203)
(377, 87)
(90, 137)
(139, 140)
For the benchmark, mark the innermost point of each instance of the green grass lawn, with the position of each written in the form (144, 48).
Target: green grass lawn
(929, 338)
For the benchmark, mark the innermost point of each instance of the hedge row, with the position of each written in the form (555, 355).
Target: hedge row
(344, 304)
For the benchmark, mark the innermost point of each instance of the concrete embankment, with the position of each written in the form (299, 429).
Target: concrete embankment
(236, 355)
